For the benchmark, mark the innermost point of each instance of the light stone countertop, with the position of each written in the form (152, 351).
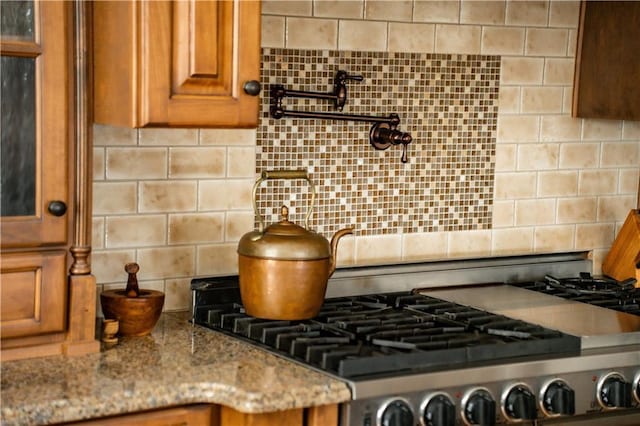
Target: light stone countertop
(177, 364)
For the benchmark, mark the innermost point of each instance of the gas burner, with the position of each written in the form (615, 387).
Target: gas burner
(586, 284)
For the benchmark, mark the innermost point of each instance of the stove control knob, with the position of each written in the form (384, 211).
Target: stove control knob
(558, 399)
(479, 408)
(396, 412)
(519, 403)
(439, 410)
(614, 391)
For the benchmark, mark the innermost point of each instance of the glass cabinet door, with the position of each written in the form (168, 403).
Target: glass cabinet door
(34, 75)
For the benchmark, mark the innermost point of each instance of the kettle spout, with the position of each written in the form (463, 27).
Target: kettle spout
(334, 247)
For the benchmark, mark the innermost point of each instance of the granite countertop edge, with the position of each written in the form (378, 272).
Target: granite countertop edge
(178, 364)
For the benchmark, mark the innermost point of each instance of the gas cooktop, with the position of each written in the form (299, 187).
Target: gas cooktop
(390, 333)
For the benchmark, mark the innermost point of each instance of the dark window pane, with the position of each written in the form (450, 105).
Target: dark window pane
(16, 19)
(18, 137)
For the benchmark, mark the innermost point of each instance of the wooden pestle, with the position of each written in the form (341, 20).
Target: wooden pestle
(132, 289)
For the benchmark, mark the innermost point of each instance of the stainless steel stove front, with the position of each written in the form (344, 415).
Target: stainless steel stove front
(589, 387)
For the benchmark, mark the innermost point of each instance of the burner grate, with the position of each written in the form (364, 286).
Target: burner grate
(390, 333)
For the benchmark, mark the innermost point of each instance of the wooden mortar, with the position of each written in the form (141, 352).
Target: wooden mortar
(136, 310)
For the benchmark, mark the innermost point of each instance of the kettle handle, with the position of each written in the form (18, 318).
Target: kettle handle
(283, 174)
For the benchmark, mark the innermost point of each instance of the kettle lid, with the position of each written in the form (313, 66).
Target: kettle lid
(285, 240)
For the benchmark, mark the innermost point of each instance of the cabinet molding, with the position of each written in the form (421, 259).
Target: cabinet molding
(176, 63)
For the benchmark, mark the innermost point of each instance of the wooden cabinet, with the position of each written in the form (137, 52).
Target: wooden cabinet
(176, 63)
(607, 71)
(45, 282)
(216, 415)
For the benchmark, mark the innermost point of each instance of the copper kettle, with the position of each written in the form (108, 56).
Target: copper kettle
(284, 269)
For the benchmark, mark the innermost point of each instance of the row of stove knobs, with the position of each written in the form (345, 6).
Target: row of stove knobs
(518, 403)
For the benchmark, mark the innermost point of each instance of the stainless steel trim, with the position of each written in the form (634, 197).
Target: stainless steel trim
(636, 387)
(625, 356)
(350, 281)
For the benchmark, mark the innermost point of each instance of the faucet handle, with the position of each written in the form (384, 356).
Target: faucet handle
(340, 87)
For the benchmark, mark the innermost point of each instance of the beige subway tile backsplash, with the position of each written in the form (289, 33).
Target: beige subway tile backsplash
(196, 228)
(558, 184)
(246, 137)
(620, 154)
(503, 214)
(628, 181)
(241, 162)
(219, 259)
(135, 231)
(482, 12)
(580, 155)
(136, 163)
(177, 295)
(509, 100)
(541, 211)
(432, 245)
(577, 210)
(601, 130)
(162, 262)
(556, 128)
(527, 13)
(167, 196)
(411, 37)
(111, 135)
(542, 100)
(615, 207)
(631, 130)
(469, 243)
(338, 9)
(502, 41)
(598, 182)
(197, 162)
(458, 39)
(114, 198)
(98, 163)
(511, 186)
(229, 194)
(540, 156)
(272, 31)
(378, 248)
(594, 235)
(446, 11)
(168, 137)
(97, 233)
(362, 35)
(393, 10)
(506, 157)
(288, 7)
(518, 128)
(509, 241)
(558, 71)
(522, 71)
(238, 223)
(546, 42)
(557, 238)
(108, 265)
(312, 32)
(564, 13)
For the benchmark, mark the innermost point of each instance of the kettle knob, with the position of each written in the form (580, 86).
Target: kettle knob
(284, 212)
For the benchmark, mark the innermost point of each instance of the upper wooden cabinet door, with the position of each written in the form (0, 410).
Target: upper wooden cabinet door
(607, 72)
(36, 92)
(176, 63)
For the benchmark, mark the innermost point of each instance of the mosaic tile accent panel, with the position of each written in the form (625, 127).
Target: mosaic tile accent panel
(449, 105)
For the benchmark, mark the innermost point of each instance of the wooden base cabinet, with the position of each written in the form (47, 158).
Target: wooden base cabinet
(216, 415)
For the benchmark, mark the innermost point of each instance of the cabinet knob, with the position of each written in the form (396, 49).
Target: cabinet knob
(57, 208)
(252, 87)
